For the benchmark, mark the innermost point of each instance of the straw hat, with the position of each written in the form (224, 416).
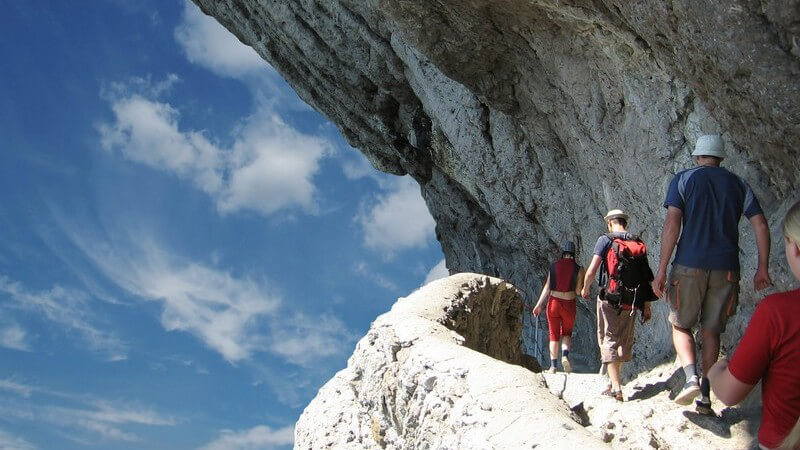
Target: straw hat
(616, 214)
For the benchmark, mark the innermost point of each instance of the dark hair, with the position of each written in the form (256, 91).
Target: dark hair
(565, 254)
(621, 221)
(715, 158)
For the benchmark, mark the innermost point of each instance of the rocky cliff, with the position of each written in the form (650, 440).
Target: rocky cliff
(523, 121)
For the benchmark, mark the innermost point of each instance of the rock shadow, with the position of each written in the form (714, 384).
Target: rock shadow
(720, 424)
(673, 384)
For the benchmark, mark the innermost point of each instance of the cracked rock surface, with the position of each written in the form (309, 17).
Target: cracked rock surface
(416, 380)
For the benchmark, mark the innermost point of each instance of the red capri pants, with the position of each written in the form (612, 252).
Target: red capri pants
(560, 317)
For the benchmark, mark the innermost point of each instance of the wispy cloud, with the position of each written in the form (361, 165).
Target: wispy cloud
(304, 340)
(17, 388)
(99, 419)
(67, 308)
(259, 437)
(438, 271)
(398, 220)
(71, 412)
(234, 315)
(14, 337)
(223, 311)
(363, 269)
(9, 441)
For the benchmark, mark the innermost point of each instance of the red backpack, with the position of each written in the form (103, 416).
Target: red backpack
(628, 273)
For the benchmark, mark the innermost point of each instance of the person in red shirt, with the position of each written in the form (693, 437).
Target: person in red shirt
(770, 351)
(563, 283)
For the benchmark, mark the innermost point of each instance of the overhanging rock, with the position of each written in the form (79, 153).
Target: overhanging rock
(523, 121)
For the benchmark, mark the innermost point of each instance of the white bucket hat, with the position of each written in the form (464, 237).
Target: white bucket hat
(709, 145)
(616, 214)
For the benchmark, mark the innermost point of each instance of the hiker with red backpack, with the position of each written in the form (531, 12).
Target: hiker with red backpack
(621, 259)
(704, 205)
(563, 284)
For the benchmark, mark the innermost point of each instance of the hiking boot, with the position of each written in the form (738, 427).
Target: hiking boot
(616, 395)
(551, 370)
(689, 392)
(566, 364)
(703, 407)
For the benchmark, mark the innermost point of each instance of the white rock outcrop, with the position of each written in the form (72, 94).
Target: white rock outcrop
(419, 380)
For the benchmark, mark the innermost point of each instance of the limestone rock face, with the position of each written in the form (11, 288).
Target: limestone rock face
(416, 380)
(525, 120)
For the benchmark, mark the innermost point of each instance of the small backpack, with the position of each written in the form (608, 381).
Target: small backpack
(628, 273)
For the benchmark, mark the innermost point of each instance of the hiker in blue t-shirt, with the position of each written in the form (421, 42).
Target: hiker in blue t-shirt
(704, 205)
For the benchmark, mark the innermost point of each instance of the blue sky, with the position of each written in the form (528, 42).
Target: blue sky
(188, 250)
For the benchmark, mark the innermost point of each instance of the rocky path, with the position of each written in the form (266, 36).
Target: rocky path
(649, 418)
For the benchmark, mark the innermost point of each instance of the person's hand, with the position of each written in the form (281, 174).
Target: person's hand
(537, 310)
(659, 282)
(646, 314)
(585, 292)
(761, 279)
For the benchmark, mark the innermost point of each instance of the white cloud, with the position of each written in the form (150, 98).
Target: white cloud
(14, 337)
(97, 417)
(221, 310)
(438, 271)
(67, 308)
(236, 316)
(270, 166)
(17, 388)
(209, 44)
(259, 437)
(363, 269)
(304, 340)
(399, 220)
(9, 441)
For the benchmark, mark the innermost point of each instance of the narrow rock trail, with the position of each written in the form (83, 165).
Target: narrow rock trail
(649, 418)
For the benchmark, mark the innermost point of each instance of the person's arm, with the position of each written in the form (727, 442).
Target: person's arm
(542, 297)
(726, 387)
(579, 287)
(731, 382)
(761, 279)
(590, 273)
(669, 238)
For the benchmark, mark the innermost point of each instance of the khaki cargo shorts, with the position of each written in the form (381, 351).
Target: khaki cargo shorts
(700, 295)
(615, 332)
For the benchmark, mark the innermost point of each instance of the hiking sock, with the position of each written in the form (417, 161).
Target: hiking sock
(691, 371)
(554, 363)
(565, 353)
(705, 388)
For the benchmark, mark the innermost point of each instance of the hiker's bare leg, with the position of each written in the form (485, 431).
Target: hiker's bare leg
(710, 349)
(566, 342)
(614, 369)
(684, 345)
(553, 349)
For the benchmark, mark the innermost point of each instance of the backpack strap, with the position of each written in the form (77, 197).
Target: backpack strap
(574, 279)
